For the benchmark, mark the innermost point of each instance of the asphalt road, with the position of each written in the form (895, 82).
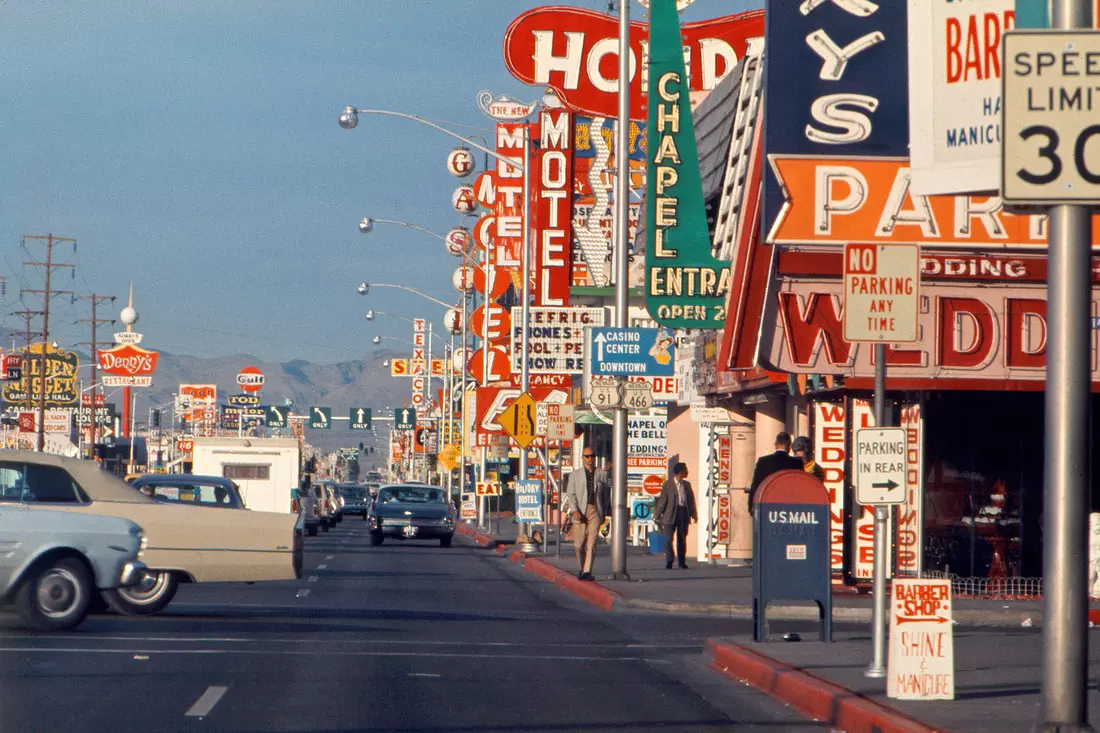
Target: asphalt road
(404, 637)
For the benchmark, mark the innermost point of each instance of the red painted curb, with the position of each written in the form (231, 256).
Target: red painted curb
(483, 540)
(817, 698)
(1094, 616)
(501, 548)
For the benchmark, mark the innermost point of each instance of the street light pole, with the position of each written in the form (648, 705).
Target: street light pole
(622, 235)
(525, 540)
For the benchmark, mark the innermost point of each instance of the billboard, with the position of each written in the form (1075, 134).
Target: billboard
(60, 378)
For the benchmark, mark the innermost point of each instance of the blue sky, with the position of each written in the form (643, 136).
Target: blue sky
(193, 148)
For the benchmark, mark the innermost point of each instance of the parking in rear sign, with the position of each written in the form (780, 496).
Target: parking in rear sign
(881, 292)
(880, 466)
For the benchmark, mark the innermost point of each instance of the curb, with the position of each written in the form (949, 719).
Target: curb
(817, 698)
(609, 599)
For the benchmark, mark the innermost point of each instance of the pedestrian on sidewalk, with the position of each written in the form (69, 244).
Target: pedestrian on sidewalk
(781, 460)
(674, 511)
(804, 451)
(587, 500)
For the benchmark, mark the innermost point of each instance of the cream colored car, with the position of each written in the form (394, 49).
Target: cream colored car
(190, 544)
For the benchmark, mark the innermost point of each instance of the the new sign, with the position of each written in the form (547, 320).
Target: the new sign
(251, 379)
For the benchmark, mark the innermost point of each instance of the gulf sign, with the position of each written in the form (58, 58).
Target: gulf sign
(251, 379)
(576, 53)
(128, 361)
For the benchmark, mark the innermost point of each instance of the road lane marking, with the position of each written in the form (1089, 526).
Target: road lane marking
(422, 674)
(372, 642)
(329, 557)
(320, 653)
(303, 593)
(206, 702)
(311, 579)
(322, 567)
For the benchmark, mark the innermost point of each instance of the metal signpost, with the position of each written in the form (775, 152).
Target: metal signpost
(1049, 132)
(881, 298)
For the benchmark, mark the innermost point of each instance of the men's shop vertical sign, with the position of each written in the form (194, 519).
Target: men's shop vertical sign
(685, 285)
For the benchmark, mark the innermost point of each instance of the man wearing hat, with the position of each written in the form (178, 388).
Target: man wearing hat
(804, 451)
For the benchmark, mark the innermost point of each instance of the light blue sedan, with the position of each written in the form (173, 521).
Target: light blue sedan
(52, 562)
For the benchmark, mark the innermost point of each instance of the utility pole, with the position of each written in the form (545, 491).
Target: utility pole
(95, 300)
(27, 316)
(49, 266)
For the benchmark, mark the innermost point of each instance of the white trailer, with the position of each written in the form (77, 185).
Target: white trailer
(266, 469)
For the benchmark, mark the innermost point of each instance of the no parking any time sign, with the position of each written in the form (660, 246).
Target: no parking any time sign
(881, 292)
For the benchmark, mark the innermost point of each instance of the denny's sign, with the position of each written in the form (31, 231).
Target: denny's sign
(128, 365)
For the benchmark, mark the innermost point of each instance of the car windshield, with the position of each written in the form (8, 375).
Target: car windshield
(351, 492)
(192, 492)
(411, 495)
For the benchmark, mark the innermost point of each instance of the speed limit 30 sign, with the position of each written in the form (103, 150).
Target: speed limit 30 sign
(1051, 131)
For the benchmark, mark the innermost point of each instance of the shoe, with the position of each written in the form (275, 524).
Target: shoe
(588, 576)
(668, 566)
(683, 566)
(580, 575)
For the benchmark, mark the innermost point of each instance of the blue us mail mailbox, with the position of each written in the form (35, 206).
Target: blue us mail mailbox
(791, 548)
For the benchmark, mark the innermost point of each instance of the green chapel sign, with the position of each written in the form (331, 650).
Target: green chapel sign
(685, 285)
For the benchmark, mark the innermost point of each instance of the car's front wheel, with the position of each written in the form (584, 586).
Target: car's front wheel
(55, 595)
(154, 591)
(376, 538)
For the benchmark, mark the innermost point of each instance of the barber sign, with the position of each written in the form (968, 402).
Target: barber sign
(921, 662)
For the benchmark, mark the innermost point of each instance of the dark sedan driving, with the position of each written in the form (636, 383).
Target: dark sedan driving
(412, 512)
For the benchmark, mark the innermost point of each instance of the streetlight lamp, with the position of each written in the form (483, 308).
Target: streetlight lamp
(366, 226)
(349, 120)
(365, 288)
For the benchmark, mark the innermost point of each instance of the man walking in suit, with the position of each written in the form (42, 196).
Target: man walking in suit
(781, 460)
(587, 500)
(674, 510)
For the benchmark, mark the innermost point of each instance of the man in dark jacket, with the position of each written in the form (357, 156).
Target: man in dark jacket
(674, 510)
(781, 460)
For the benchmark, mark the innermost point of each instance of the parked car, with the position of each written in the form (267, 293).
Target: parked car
(356, 500)
(332, 503)
(412, 512)
(185, 543)
(311, 510)
(53, 564)
(186, 488)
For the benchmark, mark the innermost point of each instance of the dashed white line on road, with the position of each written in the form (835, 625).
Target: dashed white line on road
(322, 567)
(206, 701)
(323, 653)
(303, 593)
(329, 557)
(422, 674)
(312, 579)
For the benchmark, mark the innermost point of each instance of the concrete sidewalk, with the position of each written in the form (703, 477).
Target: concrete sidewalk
(997, 678)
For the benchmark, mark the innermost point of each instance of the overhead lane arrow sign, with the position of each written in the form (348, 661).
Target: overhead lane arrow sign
(359, 414)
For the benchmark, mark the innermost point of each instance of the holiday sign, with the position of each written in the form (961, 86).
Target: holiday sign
(576, 53)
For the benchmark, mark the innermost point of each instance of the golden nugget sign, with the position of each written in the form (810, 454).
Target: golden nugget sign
(61, 370)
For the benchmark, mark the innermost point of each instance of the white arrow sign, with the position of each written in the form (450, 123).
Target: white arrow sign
(359, 414)
(600, 340)
(320, 415)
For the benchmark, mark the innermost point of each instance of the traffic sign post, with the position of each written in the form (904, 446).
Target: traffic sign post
(881, 306)
(520, 420)
(604, 392)
(404, 418)
(560, 423)
(1049, 157)
(631, 352)
(320, 418)
(277, 416)
(880, 466)
(359, 418)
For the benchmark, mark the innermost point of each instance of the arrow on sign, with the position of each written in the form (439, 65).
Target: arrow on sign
(320, 414)
(359, 414)
(405, 416)
(278, 415)
(921, 619)
(600, 341)
(889, 485)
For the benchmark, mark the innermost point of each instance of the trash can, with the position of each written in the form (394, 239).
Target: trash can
(656, 543)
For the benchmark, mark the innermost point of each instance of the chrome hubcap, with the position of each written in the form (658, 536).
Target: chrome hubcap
(148, 588)
(57, 592)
